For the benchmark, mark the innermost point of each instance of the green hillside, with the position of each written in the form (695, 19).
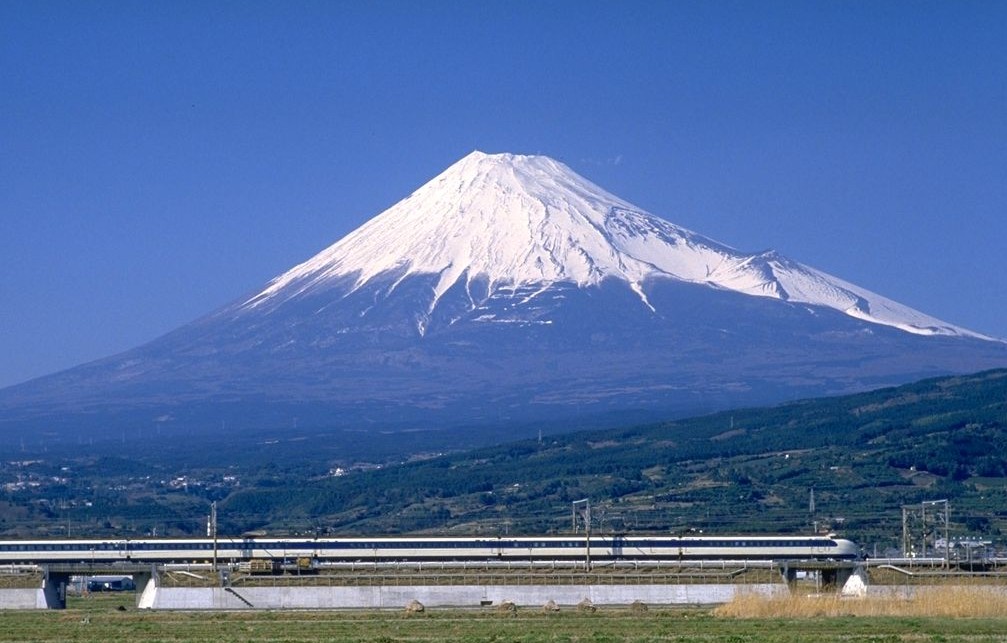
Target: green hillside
(748, 470)
(753, 470)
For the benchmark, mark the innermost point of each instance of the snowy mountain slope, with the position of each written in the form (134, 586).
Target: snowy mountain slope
(506, 291)
(529, 220)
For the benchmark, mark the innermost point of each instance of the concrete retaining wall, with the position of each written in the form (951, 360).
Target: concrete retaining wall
(396, 597)
(906, 592)
(23, 599)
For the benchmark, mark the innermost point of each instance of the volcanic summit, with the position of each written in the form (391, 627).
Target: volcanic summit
(513, 221)
(510, 289)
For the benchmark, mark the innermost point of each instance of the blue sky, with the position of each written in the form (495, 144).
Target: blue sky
(160, 159)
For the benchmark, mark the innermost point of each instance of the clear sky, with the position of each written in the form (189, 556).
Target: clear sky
(160, 159)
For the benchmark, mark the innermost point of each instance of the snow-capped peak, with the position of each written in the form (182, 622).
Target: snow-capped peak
(515, 220)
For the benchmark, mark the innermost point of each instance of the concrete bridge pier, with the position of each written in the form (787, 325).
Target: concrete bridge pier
(54, 589)
(789, 575)
(143, 580)
(832, 575)
(146, 589)
(46, 586)
(835, 578)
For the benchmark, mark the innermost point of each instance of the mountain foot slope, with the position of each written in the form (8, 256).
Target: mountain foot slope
(507, 290)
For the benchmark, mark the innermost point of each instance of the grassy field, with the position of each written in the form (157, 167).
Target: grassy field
(99, 618)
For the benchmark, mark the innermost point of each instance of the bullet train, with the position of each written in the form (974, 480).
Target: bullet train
(432, 548)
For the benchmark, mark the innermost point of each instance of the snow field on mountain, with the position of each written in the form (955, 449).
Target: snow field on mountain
(517, 220)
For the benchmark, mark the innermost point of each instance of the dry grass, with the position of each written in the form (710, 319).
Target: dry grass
(20, 581)
(953, 602)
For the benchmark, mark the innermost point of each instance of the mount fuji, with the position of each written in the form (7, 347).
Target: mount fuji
(508, 290)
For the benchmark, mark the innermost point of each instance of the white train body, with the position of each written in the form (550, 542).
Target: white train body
(517, 548)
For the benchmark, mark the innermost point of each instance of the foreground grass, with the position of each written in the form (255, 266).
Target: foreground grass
(100, 619)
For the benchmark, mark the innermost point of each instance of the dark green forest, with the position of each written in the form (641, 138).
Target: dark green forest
(844, 464)
(861, 457)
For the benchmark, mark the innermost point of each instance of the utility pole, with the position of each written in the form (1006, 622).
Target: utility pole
(942, 514)
(212, 528)
(583, 508)
(811, 511)
(928, 523)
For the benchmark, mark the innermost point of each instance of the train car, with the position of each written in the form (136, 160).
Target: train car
(516, 548)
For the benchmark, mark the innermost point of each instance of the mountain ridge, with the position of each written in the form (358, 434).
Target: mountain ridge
(532, 220)
(415, 332)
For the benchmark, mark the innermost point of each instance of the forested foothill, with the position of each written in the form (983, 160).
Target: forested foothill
(844, 464)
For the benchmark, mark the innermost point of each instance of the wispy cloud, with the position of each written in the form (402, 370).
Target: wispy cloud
(612, 160)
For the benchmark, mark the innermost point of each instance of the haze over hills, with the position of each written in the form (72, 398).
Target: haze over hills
(508, 289)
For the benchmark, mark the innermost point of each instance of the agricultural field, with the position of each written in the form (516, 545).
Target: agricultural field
(967, 616)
